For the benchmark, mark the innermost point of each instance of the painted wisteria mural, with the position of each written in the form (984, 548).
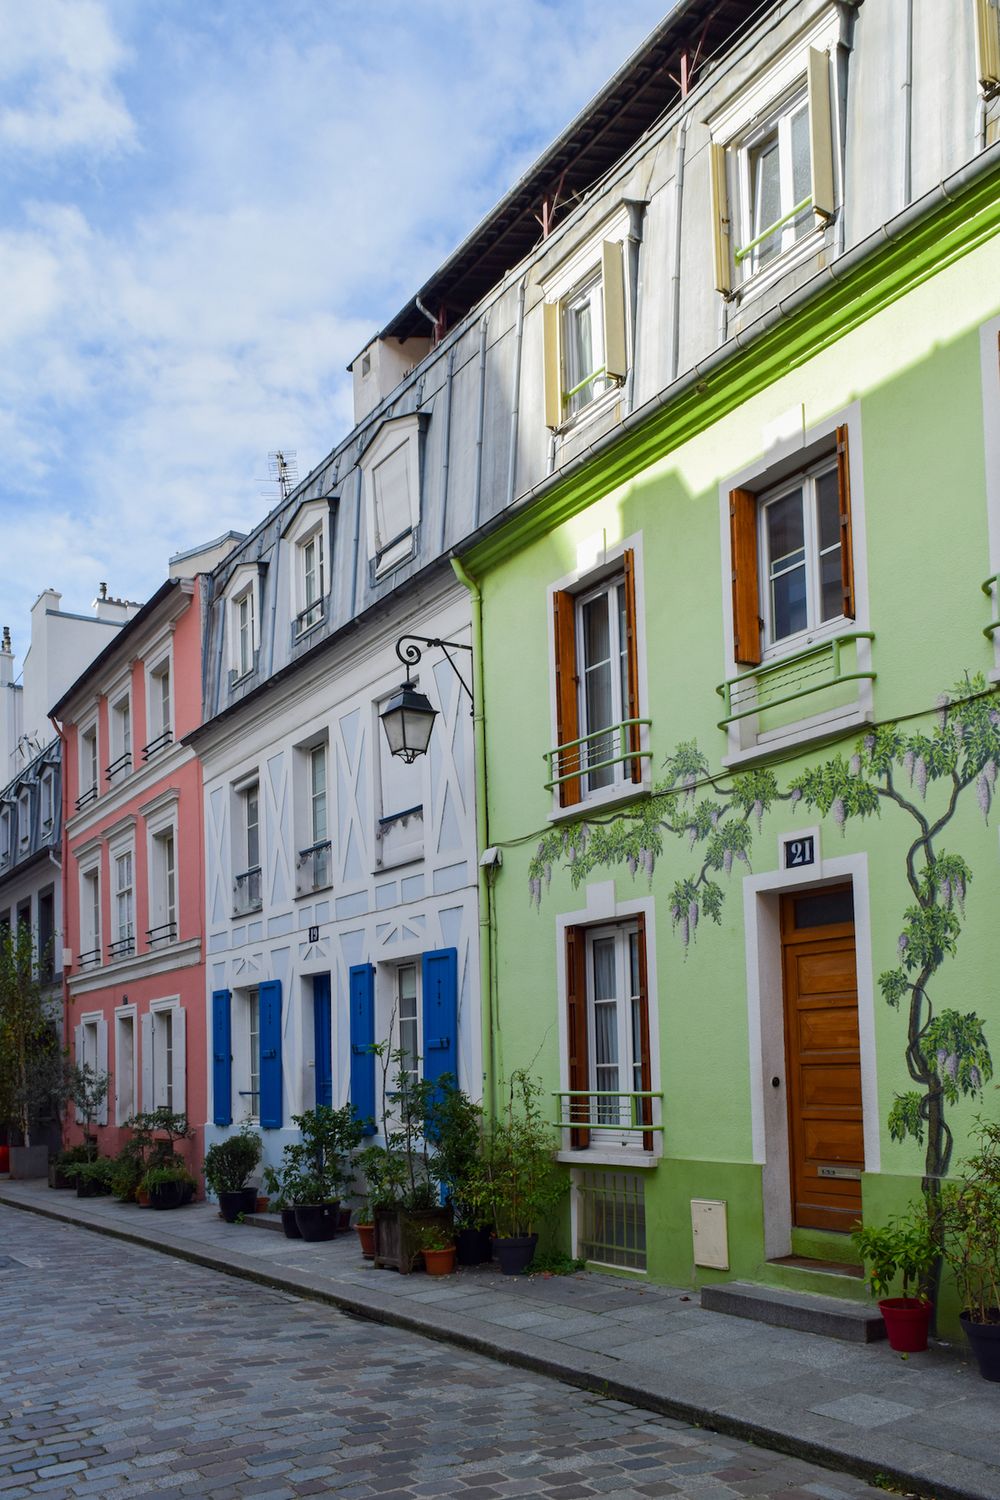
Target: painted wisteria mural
(921, 776)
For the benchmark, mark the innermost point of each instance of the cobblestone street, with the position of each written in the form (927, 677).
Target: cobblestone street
(124, 1373)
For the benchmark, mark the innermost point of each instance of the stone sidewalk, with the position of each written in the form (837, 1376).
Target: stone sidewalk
(925, 1423)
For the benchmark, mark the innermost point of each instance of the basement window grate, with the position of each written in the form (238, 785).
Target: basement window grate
(611, 1222)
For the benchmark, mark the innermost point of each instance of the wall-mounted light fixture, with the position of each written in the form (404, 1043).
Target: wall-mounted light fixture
(408, 717)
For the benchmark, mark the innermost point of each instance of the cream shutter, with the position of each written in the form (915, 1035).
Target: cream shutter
(102, 1065)
(146, 1041)
(821, 134)
(179, 1041)
(553, 364)
(988, 45)
(78, 1058)
(613, 286)
(721, 246)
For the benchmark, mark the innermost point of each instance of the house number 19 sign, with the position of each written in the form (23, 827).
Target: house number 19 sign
(799, 852)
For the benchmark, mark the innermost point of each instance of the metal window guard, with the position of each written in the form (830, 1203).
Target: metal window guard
(308, 617)
(580, 1114)
(386, 547)
(90, 795)
(987, 586)
(123, 763)
(766, 234)
(587, 380)
(831, 647)
(90, 959)
(584, 766)
(166, 932)
(160, 743)
(399, 817)
(247, 888)
(318, 857)
(122, 947)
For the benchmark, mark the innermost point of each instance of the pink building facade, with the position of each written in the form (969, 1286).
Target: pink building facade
(132, 868)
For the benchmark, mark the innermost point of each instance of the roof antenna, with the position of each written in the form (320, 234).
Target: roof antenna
(283, 470)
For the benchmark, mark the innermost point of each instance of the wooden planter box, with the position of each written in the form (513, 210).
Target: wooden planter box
(397, 1235)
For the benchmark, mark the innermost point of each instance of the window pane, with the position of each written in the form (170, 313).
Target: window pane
(765, 194)
(785, 531)
(604, 969)
(801, 170)
(788, 603)
(406, 982)
(391, 489)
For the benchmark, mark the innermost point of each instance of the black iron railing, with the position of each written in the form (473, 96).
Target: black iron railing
(122, 947)
(120, 766)
(160, 743)
(90, 795)
(166, 932)
(315, 866)
(90, 959)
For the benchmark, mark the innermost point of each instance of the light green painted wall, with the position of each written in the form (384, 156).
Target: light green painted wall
(915, 369)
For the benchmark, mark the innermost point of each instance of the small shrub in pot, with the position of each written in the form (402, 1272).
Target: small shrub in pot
(518, 1184)
(905, 1247)
(228, 1165)
(970, 1212)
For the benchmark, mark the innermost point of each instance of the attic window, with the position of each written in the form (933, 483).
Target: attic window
(391, 470)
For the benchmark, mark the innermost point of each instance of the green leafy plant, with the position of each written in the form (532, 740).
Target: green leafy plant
(434, 1237)
(907, 1246)
(971, 1217)
(554, 1263)
(88, 1089)
(229, 1163)
(517, 1183)
(99, 1171)
(454, 1128)
(34, 1069)
(163, 1176)
(273, 1183)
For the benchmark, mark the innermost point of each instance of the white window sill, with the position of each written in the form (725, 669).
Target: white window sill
(616, 796)
(603, 403)
(307, 630)
(804, 249)
(804, 732)
(594, 1156)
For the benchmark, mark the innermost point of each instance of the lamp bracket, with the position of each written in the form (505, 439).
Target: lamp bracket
(411, 652)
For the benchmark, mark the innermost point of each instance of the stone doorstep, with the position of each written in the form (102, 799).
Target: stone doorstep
(807, 1312)
(264, 1221)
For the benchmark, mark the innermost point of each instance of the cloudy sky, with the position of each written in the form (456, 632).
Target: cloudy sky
(207, 208)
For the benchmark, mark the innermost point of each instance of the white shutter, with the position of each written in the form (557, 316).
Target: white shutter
(78, 1058)
(146, 1038)
(821, 134)
(721, 245)
(613, 286)
(552, 364)
(102, 1065)
(179, 1022)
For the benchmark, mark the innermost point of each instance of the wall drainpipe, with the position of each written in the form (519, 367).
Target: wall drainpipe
(907, 103)
(675, 280)
(482, 839)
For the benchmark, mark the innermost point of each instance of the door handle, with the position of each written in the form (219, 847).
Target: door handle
(776, 1083)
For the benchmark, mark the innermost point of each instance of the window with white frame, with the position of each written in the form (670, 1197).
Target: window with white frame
(773, 163)
(245, 626)
(5, 835)
(162, 887)
(90, 916)
(800, 562)
(312, 578)
(247, 1051)
(609, 1104)
(48, 783)
(248, 879)
(600, 747)
(121, 737)
(159, 707)
(390, 470)
(584, 331)
(314, 864)
(164, 1062)
(123, 903)
(24, 817)
(126, 1103)
(406, 1004)
(89, 766)
(399, 834)
(87, 1053)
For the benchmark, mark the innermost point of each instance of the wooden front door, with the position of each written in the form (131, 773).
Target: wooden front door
(823, 1058)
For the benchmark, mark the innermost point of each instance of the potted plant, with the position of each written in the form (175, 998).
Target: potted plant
(905, 1247)
(319, 1168)
(228, 1165)
(437, 1245)
(278, 1187)
(93, 1178)
(517, 1182)
(365, 1228)
(455, 1128)
(33, 1066)
(971, 1218)
(88, 1090)
(167, 1185)
(59, 1174)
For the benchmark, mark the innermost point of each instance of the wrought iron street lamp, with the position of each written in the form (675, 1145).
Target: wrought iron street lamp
(408, 717)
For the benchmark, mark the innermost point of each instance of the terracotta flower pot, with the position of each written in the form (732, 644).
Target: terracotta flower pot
(263, 1204)
(907, 1320)
(440, 1262)
(366, 1234)
(142, 1197)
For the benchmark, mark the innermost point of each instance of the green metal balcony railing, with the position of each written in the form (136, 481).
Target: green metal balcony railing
(617, 1110)
(988, 585)
(809, 671)
(766, 234)
(565, 766)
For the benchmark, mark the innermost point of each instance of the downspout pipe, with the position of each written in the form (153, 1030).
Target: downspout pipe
(480, 419)
(675, 279)
(482, 837)
(907, 164)
(516, 408)
(63, 873)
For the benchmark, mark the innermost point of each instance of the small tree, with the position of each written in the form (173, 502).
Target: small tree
(33, 1071)
(88, 1089)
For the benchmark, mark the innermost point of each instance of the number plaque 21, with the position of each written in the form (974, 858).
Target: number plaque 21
(799, 852)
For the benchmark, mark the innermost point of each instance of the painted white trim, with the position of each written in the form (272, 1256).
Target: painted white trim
(166, 763)
(766, 1029)
(758, 99)
(137, 966)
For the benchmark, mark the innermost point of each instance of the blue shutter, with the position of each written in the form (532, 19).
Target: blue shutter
(440, 986)
(222, 1058)
(323, 1044)
(362, 1038)
(269, 1000)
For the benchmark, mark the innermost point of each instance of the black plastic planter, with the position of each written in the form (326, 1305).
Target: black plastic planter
(289, 1225)
(473, 1246)
(985, 1341)
(516, 1254)
(249, 1196)
(317, 1221)
(231, 1205)
(167, 1195)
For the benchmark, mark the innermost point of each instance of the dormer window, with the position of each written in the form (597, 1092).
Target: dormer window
(307, 540)
(24, 818)
(585, 338)
(48, 800)
(391, 476)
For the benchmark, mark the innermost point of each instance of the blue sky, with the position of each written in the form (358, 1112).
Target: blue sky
(207, 208)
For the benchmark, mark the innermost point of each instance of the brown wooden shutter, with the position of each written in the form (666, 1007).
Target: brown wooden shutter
(645, 1062)
(567, 711)
(746, 588)
(576, 1032)
(846, 537)
(632, 659)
